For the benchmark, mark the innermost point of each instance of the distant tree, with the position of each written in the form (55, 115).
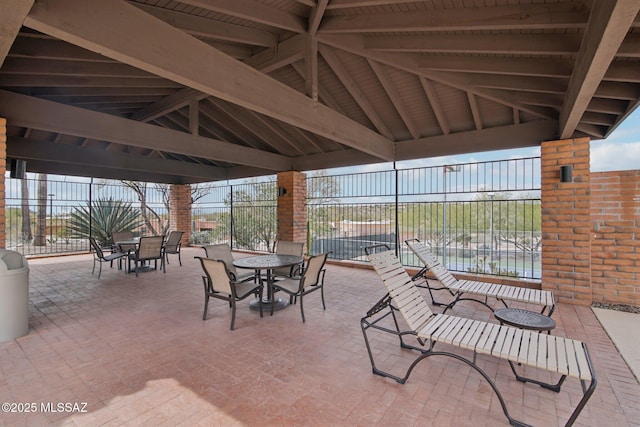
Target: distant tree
(322, 192)
(148, 212)
(255, 211)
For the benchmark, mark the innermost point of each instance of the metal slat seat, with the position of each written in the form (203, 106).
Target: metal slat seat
(476, 288)
(559, 355)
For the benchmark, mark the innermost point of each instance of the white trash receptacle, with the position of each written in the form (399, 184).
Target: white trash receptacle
(14, 295)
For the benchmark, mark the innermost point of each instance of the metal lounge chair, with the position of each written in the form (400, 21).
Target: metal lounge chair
(459, 288)
(219, 283)
(173, 245)
(100, 257)
(557, 355)
(222, 252)
(311, 280)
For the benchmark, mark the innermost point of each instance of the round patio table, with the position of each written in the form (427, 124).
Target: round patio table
(268, 263)
(525, 319)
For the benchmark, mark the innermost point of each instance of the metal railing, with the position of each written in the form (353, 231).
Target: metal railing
(477, 217)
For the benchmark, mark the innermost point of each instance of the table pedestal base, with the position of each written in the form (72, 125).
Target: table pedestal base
(278, 304)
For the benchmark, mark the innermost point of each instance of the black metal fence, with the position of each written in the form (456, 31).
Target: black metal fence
(51, 215)
(242, 215)
(478, 217)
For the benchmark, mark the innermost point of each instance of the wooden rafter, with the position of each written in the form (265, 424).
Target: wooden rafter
(196, 65)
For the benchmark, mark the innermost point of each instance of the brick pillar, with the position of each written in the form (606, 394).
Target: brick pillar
(3, 169)
(566, 221)
(292, 207)
(180, 208)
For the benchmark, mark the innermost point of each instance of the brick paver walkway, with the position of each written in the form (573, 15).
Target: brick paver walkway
(137, 353)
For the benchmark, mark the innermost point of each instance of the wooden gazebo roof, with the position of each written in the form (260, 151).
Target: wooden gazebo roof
(204, 90)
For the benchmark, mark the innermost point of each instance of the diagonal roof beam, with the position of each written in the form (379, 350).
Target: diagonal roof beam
(608, 25)
(435, 104)
(394, 96)
(351, 86)
(13, 14)
(285, 53)
(170, 103)
(166, 51)
(27, 111)
(355, 45)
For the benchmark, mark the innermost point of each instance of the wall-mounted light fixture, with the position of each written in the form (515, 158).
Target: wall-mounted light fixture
(282, 191)
(18, 169)
(566, 173)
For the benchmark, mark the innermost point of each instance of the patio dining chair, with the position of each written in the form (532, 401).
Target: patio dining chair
(288, 248)
(172, 245)
(122, 236)
(219, 283)
(311, 280)
(100, 257)
(149, 249)
(222, 252)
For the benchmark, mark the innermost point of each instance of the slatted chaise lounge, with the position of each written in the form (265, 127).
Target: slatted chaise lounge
(558, 355)
(458, 288)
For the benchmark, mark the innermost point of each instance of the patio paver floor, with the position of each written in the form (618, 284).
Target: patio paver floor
(137, 352)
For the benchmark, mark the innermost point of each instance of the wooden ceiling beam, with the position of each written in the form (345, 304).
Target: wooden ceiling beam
(27, 111)
(435, 104)
(168, 52)
(394, 96)
(29, 149)
(609, 23)
(498, 138)
(495, 65)
(253, 11)
(209, 28)
(11, 19)
(355, 45)
(351, 86)
(514, 44)
(530, 16)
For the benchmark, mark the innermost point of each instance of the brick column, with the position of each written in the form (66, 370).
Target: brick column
(566, 221)
(3, 169)
(292, 207)
(180, 208)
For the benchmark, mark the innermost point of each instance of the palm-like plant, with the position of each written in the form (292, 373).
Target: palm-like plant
(107, 216)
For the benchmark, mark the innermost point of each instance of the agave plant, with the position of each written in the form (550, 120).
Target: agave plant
(107, 216)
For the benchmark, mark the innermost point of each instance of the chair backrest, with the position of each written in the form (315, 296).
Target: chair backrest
(150, 247)
(312, 271)
(96, 247)
(423, 253)
(120, 236)
(289, 248)
(217, 273)
(402, 290)
(222, 252)
(173, 241)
